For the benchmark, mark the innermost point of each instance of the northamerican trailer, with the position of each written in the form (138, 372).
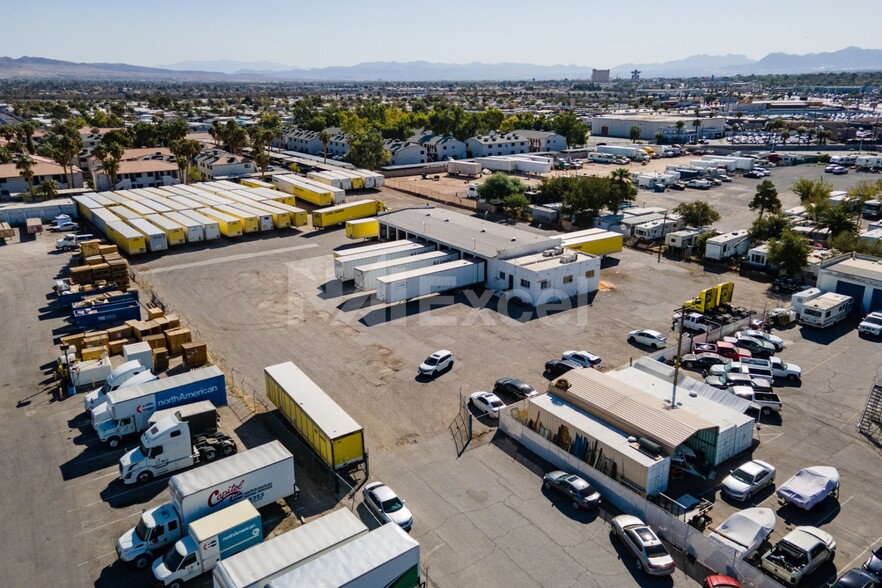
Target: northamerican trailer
(328, 429)
(362, 228)
(384, 557)
(366, 275)
(356, 178)
(269, 560)
(429, 280)
(344, 266)
(337, 215)
(154, 236)
(271, 194)
(331, 179)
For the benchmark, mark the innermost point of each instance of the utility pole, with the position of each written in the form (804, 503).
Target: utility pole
(677, 358)
(664, 224)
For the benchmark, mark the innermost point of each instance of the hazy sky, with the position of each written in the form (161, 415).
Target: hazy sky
(345, 32)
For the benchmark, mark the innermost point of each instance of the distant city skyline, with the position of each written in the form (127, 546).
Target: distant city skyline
(348, 32)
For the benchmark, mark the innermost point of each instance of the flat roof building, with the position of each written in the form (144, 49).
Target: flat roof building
(855, 275)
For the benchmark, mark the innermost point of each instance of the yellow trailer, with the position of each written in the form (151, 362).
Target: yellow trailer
(229, 226)
(250, 222)
(281, 218)
(126, 238)
(600, 243)
(253, 183)
(299, 217)
(335, 215)
(174, 233)
(312, 192)
(331, 433)
(362, 228)
(267, 194)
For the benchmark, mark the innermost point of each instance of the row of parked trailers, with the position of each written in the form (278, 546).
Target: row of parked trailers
(405, 269)
(153, 219)
(348, 179)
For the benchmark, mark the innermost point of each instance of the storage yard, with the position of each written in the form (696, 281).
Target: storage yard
(307, 298)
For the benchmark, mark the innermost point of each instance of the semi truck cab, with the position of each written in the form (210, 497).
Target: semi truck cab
(156, 528)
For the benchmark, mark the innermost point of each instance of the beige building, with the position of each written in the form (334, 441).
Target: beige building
(44, 169)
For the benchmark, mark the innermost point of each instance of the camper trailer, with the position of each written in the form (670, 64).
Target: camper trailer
(727, 245)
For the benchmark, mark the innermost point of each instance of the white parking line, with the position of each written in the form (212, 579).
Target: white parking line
(86, 481)
(134, 514)
(102, 556)
(832, 357)
(833, 512)
(115, 496)
(861, 555)
(215, 260)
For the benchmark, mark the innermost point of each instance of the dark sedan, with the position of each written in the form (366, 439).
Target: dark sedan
(701, 361)
(515, 387)
(580, 491)
(558, 367)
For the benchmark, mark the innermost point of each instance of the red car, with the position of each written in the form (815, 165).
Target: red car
(721, 582)
(730, 351)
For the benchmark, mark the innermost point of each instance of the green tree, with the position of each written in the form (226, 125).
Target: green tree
(623, 187)
(216, 130)
(272, 125)
(25, 166)
(824, 135)
(25, 133)
(185, 150)
(838, 219)
(515, 205)
(325, 138)
(193, 175)
(815, 191)
(235, 137)
(571, 127)
(789, 252)
(587, 198)
(262, 159)
(634, 133)
(701, 243)
(6, 155)
(109, 156)
(766, 198)
(680, 124)
(366, 149)
(500, 186)
(861, 192)
(554, 188)
(659, 137)
(697, 213)
(48, 188)
(766, 227)
(697, 124)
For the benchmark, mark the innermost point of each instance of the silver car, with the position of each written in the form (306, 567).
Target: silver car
(642, 541)
(746, 480)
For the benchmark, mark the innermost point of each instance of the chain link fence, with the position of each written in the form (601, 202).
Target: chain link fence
(409, 187)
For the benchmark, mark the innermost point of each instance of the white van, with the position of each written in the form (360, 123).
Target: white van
(130, 373)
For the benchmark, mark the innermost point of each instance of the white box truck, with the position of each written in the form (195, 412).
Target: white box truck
(176, 438)
(344, 266)
(635, 153)
(463, 168)
(261, 475)
(366, 275)
(428, 280)
(127, 411)
(208, 541)
(384, 557)
(122, 376)
(269, 560)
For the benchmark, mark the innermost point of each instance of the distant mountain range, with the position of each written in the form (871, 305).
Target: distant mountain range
(848, 59)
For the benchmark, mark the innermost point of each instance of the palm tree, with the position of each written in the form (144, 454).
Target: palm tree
(784, 136)
(697, 124)
(25, 132)
(325, 138)
(621, 180)
(216, 131)
(823, 135)
(262, 159)
(185, 150)
(838, 219)
(49, 188)
(679, 124)
(634, 133)
(25, 166)
(235, 136)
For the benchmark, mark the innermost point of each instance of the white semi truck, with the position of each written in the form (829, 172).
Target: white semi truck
(261, 475)
(176, 438)
(121, 376)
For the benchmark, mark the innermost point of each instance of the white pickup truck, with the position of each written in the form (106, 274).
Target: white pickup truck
(798, 554)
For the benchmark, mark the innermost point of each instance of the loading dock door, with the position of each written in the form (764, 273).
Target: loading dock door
(876, 300)
(856, 291)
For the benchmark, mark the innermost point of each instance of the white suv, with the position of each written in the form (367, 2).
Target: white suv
(871, 325)
(583, 358)
(437, 362)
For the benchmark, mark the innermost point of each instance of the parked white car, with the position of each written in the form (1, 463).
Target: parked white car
(437, 362)
(649, 338)
(386, 505)
(748, 479)
(583, 358)
(487, 402)
(871, 325)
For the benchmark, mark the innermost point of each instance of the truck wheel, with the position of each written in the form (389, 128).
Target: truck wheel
(176, 584)
(792, 377)
(114, 442)
(145, 477)
(227, 449)
(209, 454)
(766, 411)
(144, 560)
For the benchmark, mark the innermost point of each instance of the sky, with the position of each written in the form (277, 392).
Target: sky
(346, 32)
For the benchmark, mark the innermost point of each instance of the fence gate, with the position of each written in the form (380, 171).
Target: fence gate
(461, 427)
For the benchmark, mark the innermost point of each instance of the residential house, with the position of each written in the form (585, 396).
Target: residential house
(216, 163)
(44, 169)
(404, 152)
(543, 141)
(440, 147)
(497, 144)
(149, 167)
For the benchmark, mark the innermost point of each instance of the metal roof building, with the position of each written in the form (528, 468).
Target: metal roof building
(597, 443)
(855, 275)
(735, 428)
(636, 412)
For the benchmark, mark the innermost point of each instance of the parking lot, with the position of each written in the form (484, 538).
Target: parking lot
(480, 516)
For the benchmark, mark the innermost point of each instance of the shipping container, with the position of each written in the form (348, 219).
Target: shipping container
(337, 215)
(155, 237)
(193, 230)
(255, 183)
(334, 435)
(251, 222)
(463, 168)
(264, 219)
(429, 280)
(174, 233)
(384, 557)
(125, 237)
(229, 226)
(344, 265)
(210, 227)
(310, 192)
(366, 275)
(265, 562)
(362, 228)
(593, 242)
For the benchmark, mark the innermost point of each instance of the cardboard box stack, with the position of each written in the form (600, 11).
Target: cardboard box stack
(100, 264)
(195, 354)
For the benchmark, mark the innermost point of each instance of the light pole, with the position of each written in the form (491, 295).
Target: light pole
(677, 358)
